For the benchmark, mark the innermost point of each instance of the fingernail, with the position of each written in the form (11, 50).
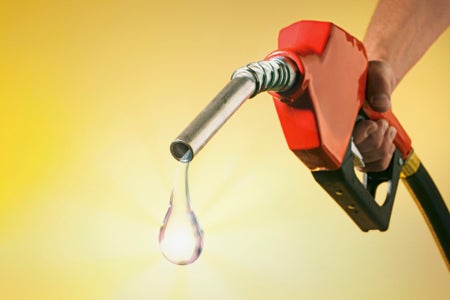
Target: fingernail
(392, 133)
(380, 102)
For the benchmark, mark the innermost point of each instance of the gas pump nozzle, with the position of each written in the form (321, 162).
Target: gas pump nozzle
(317, 79)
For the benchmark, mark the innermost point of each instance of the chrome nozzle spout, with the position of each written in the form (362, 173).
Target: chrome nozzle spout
(211, 118)
(276, 74)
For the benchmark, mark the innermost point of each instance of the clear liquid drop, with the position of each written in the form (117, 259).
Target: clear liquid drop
(180, 236)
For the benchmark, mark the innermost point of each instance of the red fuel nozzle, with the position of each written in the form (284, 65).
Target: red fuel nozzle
(318, 115)
(317, 78)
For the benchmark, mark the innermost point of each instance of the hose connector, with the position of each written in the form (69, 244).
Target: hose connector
(277, 74)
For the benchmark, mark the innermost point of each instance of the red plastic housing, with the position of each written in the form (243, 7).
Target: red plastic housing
(318, 115)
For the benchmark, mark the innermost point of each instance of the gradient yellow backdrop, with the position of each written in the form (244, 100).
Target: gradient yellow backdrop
(93, 92)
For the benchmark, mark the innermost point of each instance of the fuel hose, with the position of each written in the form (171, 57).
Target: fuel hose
(430, 202)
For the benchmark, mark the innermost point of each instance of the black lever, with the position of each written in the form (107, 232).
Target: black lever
(358, 198)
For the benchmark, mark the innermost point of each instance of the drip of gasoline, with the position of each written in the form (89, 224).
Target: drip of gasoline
(180, 236)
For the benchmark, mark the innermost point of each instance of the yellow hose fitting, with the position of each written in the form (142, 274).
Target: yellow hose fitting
(411, 165)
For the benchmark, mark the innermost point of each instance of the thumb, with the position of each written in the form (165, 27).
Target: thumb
(380, 83)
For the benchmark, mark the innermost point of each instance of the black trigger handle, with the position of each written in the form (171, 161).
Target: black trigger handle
(357, 198)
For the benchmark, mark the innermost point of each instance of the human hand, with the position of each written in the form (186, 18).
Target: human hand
(374, 139)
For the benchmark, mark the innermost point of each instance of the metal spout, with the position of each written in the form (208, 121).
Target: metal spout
(277, 74)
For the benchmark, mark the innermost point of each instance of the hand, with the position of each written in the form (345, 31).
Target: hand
(374, 139)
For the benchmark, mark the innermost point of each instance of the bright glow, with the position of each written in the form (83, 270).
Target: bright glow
(180, 239)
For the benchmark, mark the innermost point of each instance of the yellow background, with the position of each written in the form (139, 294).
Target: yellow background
(93, 92)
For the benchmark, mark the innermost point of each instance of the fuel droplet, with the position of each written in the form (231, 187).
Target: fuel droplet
(180, 236)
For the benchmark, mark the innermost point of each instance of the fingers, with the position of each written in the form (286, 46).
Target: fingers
(362, 130)
(380, 84)
(374, 140)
